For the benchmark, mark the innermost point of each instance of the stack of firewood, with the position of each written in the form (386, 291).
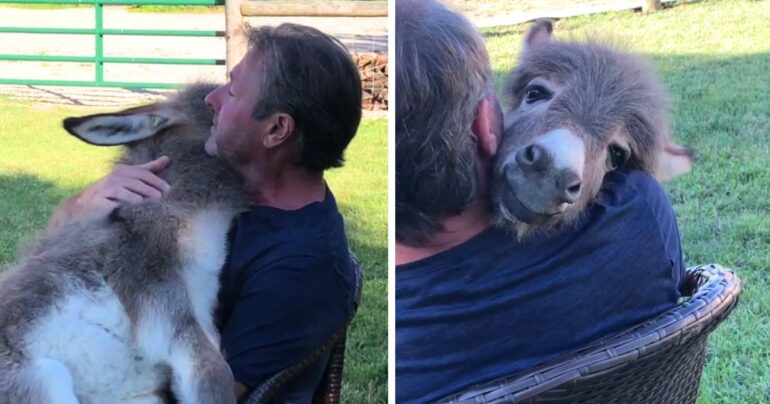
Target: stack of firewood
(374, 79)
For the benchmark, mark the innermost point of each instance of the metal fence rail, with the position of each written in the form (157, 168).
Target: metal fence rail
(99, 32)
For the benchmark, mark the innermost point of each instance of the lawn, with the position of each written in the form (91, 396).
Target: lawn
(715, 59)
(41, 165)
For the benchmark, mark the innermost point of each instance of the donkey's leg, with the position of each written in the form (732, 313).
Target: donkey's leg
(168, 331)
(200, 373)
(51, 382)
(148, 399)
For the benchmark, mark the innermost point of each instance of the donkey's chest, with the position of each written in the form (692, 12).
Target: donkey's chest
(203, 249)
(90, 333)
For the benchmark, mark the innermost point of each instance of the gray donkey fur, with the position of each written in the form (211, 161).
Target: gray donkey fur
(117, 309)
(578, 110)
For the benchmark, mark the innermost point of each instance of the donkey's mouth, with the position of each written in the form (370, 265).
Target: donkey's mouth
(512, 207)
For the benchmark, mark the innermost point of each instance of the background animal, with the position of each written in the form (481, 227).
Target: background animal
(115, 309)
(578, 111)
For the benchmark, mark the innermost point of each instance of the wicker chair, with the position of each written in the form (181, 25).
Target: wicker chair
(659, 361)
(328, 390)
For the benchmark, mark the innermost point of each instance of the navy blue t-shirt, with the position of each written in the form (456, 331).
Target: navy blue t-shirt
(287, 286)
(493, 306)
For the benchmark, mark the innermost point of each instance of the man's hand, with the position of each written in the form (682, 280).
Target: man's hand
(240, 391)
(124, 185)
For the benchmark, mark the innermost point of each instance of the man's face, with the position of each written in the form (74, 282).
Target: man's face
(235, 135)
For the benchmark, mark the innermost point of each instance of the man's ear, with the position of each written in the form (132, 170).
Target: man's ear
(483, 127)
(281, 127)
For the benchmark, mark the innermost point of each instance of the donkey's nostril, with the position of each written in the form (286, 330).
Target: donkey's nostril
(568, 185)
(572, 192)
(531, 156)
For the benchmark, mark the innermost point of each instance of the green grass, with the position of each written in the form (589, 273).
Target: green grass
(361, 189)
(41, 165)
(715, 59)
(185, 9)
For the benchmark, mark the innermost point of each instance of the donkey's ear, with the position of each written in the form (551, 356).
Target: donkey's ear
(121, 127)
(673, 162)
(539, 34)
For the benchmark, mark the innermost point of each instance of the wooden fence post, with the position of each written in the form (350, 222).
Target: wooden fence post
(651, 5)
(234, 34)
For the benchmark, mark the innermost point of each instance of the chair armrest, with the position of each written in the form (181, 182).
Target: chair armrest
(714, 294)
(332, 378)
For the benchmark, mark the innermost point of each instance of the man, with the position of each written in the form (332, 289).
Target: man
(292, 106)
(472, 303)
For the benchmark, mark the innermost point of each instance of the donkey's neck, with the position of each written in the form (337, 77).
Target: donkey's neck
(196, 178)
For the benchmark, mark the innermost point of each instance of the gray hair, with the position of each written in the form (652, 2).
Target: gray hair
(312, 77)
(442, 72)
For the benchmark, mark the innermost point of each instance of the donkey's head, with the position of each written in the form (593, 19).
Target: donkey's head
(149, 131)
(177, 128)
(578, 111)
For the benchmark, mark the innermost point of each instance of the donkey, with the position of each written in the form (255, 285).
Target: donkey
(119, 309)
(578, 111)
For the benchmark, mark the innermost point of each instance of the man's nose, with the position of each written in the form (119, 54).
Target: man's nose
(211, 99)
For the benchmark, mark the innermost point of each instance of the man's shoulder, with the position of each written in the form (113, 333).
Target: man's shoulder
(293, 229)
(626, 184)
(492, 248)
(310, 237)
(636, 192)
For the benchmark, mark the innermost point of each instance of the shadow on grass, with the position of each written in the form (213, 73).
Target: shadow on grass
(26, 203)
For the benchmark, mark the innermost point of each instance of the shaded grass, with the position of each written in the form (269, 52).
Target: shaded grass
(714, 56)
(42, 165)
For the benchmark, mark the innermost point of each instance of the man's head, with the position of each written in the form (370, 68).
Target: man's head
(447, 117)
(295, 97)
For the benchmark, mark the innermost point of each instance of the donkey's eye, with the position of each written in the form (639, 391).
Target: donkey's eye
(534, 93)
(617, 156)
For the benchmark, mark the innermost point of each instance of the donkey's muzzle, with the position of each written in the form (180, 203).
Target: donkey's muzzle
(536, 164)
(542, 179)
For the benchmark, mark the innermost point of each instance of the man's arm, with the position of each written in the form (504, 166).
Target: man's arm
(125, 184)
(240, 391)
(282, 314)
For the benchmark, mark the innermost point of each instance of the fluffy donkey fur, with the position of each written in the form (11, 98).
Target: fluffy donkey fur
(578, 111)
(119, 309)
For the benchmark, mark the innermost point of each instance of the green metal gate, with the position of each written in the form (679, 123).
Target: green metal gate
(99, 32)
